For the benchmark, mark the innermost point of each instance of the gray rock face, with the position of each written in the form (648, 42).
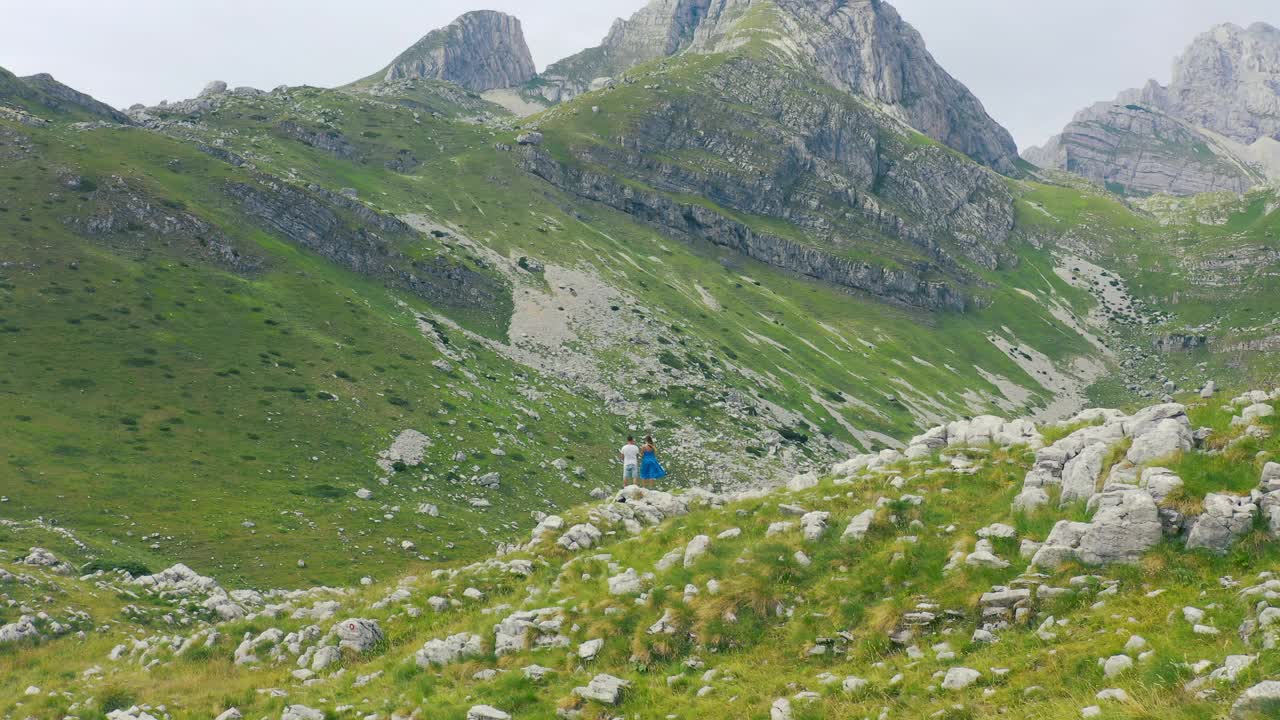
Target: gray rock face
(1166, 438)
(861, 46)
(1126, 524)
(1215, 127)
(859, 525)
(1225, 518)
(1080, 474)
(486, 712)
(657, 30)
(959, 678)
(813, 525)
(217, 87)
(1270, 507)
(1227, 81)
(529, 629)
(867, 48)
(1139, 150)
(580, 537)
(24, 629)
(313, 219)
(479, 51)
(39, 557)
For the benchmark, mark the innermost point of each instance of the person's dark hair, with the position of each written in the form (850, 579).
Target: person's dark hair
(648, 439)
(631, 438)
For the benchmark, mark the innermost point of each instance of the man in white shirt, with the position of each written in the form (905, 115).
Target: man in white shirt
(630, 457)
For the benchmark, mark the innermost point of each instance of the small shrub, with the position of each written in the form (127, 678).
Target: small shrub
(132, 567)
(323, 491)
(793, 434)
(666, 357)
(113, 699)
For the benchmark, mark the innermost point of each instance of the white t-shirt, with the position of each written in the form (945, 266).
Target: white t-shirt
(629, 454)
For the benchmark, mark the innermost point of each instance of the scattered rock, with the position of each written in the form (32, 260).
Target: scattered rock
(603, 688)
(486, 712)
(449, 650)
(959, 678)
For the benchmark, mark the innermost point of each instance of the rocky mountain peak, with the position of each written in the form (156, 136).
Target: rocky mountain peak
(861, 46)
(865, 47)
(1228, 81)
(479, 51)
(1216, 126)
(661, 28)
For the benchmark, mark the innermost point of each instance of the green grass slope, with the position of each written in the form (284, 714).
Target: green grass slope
(182, 366)
(157, 401)
(763, 614)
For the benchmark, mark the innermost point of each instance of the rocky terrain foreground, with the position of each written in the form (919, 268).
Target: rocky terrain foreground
(1114, 564)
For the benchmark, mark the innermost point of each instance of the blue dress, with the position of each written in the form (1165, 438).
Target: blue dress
(650, 468)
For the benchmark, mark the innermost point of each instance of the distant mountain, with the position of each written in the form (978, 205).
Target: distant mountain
(1215, 127)
(479, 51)
(41, 95)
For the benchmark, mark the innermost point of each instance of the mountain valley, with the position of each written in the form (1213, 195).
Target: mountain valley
(313, 394)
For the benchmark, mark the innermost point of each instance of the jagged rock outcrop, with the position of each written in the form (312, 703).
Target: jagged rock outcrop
(861, 46)
(867, 48)
(657, 30)
(479, 51)
(1215, 127)
(902, 285)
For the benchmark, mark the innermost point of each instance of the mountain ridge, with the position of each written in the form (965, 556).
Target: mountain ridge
(1215, 127)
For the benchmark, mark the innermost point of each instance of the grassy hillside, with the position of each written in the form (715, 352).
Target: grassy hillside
(181, 368)
(156, 402)
(174, 358)
(1200, 268)
(762, 614)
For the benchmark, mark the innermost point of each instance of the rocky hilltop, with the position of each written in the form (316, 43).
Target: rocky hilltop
(479, 51)
(44, 93)
(1215, 127)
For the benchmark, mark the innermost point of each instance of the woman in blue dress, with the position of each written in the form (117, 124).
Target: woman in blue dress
(650, 469)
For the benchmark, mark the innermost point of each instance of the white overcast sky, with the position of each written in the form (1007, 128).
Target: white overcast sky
(1033, 63)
